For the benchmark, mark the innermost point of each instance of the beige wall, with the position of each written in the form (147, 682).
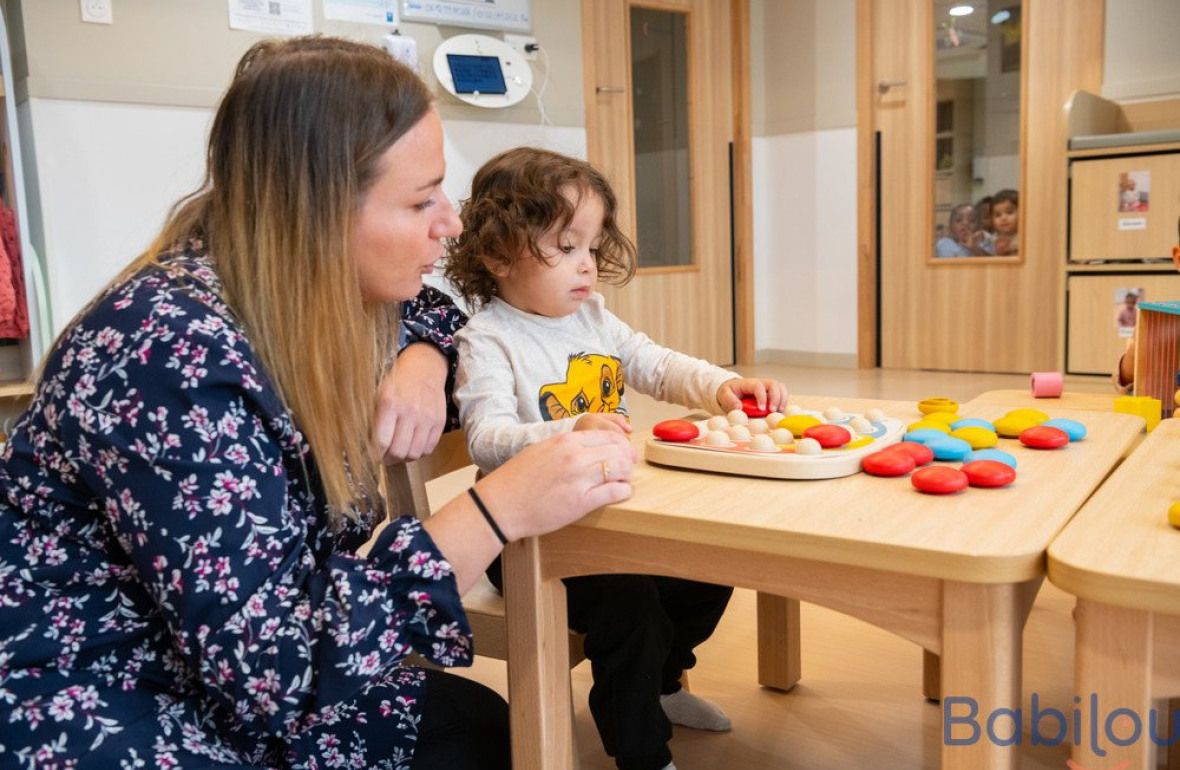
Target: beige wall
(1142, 49)
(182, 53)
(803, 68)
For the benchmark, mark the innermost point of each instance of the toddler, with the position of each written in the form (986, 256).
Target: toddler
(1005, 221)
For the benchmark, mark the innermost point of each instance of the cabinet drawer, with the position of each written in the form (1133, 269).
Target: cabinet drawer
(1100, 229)
(1093, 344)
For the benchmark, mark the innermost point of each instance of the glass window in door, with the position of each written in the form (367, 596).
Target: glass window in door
(977, 76)
(663, 196)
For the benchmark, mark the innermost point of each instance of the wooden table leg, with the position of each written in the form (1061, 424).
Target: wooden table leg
(538, 668)
(779, 649)
(981, 637)
(1114, 660)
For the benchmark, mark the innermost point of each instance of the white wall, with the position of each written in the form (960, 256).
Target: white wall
(804, 180)
(1142, 49)
(108, 174)
(805, 246)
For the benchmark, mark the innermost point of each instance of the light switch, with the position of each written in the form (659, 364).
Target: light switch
(97, 11)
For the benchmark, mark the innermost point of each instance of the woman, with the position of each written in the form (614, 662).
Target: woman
(182, 499)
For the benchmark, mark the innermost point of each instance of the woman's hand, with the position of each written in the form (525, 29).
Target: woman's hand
(411, 405)
(559, 480)
(603, 421)
(769, 394)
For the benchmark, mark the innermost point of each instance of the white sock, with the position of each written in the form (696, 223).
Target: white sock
(670, 766)
(688, 710)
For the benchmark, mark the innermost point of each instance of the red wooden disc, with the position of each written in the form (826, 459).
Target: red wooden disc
(989, 473)
(886, 463)
(828, 436)
(1044, 437)
(939, 480)
(750, 407)
(675, 430)
(922, 454)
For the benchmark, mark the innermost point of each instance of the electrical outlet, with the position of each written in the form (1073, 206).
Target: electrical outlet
(521, 44)
(97, 11)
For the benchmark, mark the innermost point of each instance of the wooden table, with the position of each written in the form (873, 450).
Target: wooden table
(955, 575)
(1122, 561)
(1090, 402)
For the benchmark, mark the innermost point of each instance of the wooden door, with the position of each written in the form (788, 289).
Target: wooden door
(967, 314)
(682, 294)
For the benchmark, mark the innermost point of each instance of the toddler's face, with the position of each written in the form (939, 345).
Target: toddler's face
(558, 286)
(963, 224)
(1004, 218)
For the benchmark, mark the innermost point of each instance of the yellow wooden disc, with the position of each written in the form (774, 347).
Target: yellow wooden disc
(858, 442)
(1036, 415)
(1174, 515)
(925, 422)
(797, 423)
(977, 436)
(938, 404)
(1176, 398)
(1011, 427)
(945, 417)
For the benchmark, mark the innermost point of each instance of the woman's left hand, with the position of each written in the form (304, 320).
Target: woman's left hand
(411, 405)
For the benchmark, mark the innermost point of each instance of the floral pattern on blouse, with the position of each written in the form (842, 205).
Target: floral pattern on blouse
(171, 592)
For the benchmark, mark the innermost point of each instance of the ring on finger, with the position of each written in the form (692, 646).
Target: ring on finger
(605, 472)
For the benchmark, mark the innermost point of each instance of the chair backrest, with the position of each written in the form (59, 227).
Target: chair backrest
(405, 492)
(405, 483)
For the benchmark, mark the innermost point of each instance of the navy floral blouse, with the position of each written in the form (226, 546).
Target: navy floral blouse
(171, 592)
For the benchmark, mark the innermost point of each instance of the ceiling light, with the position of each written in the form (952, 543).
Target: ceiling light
(1001, 16)
(961, 10)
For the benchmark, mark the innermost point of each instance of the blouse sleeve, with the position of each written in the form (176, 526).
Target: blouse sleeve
(199, 477)
(433, 317)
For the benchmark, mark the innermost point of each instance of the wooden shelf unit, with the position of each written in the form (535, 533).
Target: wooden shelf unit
(1109, 250)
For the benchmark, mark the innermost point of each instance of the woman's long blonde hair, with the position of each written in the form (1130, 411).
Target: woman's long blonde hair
(295, 144)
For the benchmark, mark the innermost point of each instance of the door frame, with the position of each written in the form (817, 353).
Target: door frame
(1062, 51)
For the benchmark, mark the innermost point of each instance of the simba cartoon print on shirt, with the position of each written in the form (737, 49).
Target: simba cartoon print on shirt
(593, 383)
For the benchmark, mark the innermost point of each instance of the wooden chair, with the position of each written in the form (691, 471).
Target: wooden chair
(423, 485)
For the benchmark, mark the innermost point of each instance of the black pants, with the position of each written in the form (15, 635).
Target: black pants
(640, 635)
(464, 726)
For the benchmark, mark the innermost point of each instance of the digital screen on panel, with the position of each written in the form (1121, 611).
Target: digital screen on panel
(476, 74)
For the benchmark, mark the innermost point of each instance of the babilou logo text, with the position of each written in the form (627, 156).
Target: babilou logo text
(1087, 724)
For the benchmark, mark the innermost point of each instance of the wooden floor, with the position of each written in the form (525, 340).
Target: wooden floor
(859, 704)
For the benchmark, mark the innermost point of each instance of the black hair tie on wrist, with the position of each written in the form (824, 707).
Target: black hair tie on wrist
(487, 515)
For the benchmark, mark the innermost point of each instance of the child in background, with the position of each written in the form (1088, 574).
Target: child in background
(1124, 373)
(983, 213)
(543, 356)
(964, 237)
(1005, 221)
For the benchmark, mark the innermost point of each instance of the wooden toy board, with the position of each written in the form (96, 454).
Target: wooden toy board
(739, 460)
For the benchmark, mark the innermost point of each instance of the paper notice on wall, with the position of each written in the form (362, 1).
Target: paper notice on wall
(1133, 223)
(363, 11)
(272, 17)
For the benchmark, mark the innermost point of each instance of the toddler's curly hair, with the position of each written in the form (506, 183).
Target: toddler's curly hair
(516, 198)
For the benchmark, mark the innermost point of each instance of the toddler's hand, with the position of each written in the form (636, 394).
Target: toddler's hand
(770, 394)
(603, 421)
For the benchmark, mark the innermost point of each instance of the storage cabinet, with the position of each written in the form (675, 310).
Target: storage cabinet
(1124, 207)
(1093, 341)
(1123, 167)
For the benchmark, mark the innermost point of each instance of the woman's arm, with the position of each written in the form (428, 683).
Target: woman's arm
(198, 474)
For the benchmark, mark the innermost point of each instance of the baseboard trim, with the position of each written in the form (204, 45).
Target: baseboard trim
(808, 358)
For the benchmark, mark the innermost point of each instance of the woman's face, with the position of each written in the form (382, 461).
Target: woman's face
(401, 220)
